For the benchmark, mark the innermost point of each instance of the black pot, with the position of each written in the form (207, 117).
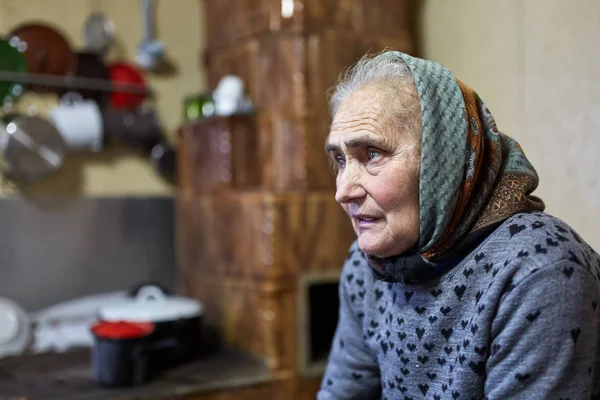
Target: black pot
(178, 322)
(120, 353)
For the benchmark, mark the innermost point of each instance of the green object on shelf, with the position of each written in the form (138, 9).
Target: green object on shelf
(13, 61)
(198, 107)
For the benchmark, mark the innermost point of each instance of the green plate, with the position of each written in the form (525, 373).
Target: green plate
(13, 61)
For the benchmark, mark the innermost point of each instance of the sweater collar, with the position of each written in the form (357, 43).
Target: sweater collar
(412, 268)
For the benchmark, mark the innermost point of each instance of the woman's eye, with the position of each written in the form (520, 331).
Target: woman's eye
(373, 154)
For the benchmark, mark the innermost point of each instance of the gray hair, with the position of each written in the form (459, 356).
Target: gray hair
(394, 79)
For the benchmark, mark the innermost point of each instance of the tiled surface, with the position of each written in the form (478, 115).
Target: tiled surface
(58, 250)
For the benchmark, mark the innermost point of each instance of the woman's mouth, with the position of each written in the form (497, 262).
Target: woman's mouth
(366, 220)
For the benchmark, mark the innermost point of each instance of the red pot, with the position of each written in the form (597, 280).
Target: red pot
(126, 74)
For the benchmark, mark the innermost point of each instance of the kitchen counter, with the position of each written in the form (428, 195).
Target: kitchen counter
(68, 376)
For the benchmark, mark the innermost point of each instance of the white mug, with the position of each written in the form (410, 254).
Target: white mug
(80, 124)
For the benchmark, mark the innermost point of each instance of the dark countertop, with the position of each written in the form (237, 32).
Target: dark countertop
(68, 376)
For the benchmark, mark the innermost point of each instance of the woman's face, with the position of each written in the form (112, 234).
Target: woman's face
(377, 175)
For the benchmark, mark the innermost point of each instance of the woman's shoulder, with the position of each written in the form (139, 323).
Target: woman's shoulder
(537, 240)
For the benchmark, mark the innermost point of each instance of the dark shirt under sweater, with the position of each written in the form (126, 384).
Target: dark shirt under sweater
(517, 318)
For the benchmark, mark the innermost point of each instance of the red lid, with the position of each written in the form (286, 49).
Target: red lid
(122, 329)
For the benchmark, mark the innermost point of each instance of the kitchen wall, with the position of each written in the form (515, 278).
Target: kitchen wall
(105, 222)
(535, 63)
(117, 172)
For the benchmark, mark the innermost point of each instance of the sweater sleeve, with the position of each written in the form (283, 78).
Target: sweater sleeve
(352, 370)
(544, 339)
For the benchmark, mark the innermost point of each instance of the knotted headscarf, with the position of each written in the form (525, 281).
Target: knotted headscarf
(471, 175)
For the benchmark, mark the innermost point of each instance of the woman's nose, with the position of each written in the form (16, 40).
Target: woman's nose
(348, 187)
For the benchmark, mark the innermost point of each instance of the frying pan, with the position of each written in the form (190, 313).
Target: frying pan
(46, 51)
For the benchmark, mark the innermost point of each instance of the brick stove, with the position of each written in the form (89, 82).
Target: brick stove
(261, 239)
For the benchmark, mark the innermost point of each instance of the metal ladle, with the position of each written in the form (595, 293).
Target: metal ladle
(151, 51)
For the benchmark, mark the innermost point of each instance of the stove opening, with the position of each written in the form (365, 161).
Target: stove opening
(320, 317)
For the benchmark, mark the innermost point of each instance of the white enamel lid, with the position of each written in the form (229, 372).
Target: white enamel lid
(152, 305)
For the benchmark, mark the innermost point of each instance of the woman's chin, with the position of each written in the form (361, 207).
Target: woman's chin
(379, 249)
(371, 248)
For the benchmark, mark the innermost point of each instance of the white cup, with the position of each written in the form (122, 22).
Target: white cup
(80, 124)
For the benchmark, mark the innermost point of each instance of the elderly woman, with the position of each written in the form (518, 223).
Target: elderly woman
(458, 286)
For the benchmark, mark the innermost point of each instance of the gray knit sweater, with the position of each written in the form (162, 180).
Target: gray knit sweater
(515, 319)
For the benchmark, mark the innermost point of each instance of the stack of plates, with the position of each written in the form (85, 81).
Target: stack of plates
(15, 330)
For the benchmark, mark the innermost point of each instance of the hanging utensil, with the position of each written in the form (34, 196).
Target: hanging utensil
(46, 51)
(10, 60)
(150, 51)
(124, 74)
(90, 66)
(32, 147)
(98, 34)
(79, 123)
(163, 159)
(139, 129)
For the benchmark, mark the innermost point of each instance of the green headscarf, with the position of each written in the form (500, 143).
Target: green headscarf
(471, 175)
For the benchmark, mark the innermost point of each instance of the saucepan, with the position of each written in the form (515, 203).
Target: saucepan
(120, 353)
(178, 321)
(141, 129)
(138, 128)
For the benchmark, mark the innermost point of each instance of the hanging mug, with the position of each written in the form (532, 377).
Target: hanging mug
(79, 122)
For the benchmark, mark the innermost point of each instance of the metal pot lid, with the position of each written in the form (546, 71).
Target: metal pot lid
(45, 49)
(32, 147)
(152, 305)
(13, 61)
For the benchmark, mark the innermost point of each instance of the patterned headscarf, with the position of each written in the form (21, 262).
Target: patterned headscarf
(471, 175)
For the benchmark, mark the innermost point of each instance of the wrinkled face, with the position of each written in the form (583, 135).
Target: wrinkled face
(377, 175)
